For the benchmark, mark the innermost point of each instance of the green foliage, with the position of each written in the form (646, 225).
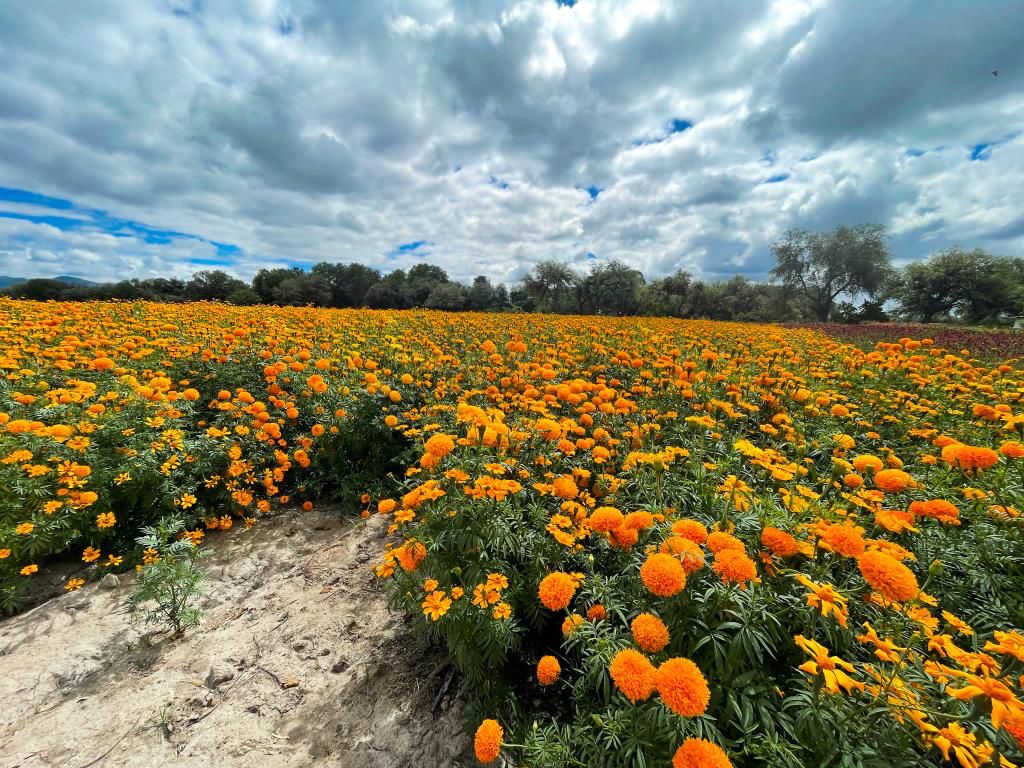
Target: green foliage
(171, 582)
(822, 266)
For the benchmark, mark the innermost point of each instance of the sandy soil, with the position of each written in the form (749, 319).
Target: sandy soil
(298, 662)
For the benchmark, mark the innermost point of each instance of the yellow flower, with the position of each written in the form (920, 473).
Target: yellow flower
(105, 520)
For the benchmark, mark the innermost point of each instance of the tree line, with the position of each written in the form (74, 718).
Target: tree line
(842, 275)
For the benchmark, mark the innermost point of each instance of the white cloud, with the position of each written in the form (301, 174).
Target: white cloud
(305, 130)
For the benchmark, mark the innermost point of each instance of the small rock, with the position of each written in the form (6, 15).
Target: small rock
(110, 581)
(339, 666)
(290, 682)
(300, 645)
(220, 673)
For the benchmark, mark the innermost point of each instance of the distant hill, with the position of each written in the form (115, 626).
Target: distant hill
(6, 282)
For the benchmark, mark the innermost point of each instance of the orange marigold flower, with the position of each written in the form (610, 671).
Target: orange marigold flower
(410, 555)
(720, 540)
(638, 520)
(688, 552)
(733, 566)
(624, 537)
(694, 530)
(895, 520)
(699, 753)
(596, 612)
(893, 480)
(556, 590)
(1012, 450)
(663, 575)
(571, 623)
(888, 576)
(73, 584)
(436, 604)
(844, 539)
(864, 462)
(386, 506)
(969, 457)
(778, 542)
(940, 509)
(105, 520)
(564, 487)
(632, 674)
(548, 670)
(650, 632)
(604, 519)
(682, 687)
(487, 741)
(439, 446)
(1014, 725)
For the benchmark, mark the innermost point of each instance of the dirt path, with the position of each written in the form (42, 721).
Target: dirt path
(298, 662)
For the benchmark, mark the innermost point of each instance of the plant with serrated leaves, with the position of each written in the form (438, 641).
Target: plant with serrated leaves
(171, 581)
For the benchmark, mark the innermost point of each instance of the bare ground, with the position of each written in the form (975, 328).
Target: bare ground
(298, 662)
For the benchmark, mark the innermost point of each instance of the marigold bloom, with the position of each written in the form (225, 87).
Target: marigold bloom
(632, 674)
(649, 632)
(556, 590)
(734, 567)
(940, 509)
(564, 487)
(604, 519)
(436, 605)
(844, 539)
(969, 457)
(105, 520)
(548, 670)
(410, 555)
(439, 446)
(571, 623)
(699, 753)
(1012, 450)
(487, 741)
(720, 540)
(694, 530)
(888, 576)
(596, 612)
(663, 575)
(893, 480)
(686, 551)
(832, 669)
(778, 542)
(682, 687)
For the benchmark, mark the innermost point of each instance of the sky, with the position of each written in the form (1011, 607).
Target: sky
(144, 138)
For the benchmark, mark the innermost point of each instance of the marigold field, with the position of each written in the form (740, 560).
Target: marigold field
(643, 542)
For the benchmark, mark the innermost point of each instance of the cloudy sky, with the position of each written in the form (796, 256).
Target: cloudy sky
(154, 137)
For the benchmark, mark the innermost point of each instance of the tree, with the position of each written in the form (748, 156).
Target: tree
(266, 281)
(974, 285)
(450, 297)
(348, 283)
(611, 289)
(669, 296)
(822, 266)
(212, 285)
(480, 295)
(302, 290)
(39, 289)
(551, 286)
(421, 280)
(389, 293)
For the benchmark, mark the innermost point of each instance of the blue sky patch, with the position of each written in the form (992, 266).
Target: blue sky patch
(416, 247)
(776, 178)
(678, 125)
(566, 3)
(593, 190)
(497, 182)
(95, 220)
